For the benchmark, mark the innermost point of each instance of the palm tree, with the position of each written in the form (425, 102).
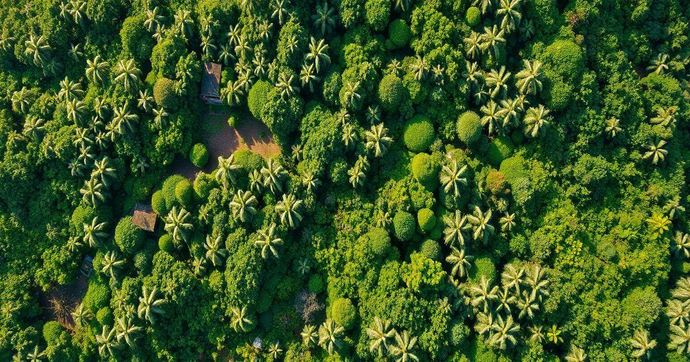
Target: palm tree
(307, 76)
(535, 120)
(452, 177)
(128, 73)
(655, 151)
(325, 18)
(243, 205)
(20, 100)
(75, 109)
(279, 10)
(227, 170)
(529, 78)
(303, 266)
(153, 19)
(309, 335)
(480, 224)
(330, 336)
(126, 330)
(214, 251)
(256, 182)
(285, 85)
(492, 39)
(145, 101)
(642, 345)
(536, 279)
(510, 15)
(310, 181)
(576, 354)
(38, 49)
(507, 222)
(241, 321)
(159, 116)
(460, 262)
(150, 305)
(483, 5)
(512, 277)
(318, 54)
(483, 294)
(528, 304)
(403, 346)
(497, 81)
(103, 171)
(682, 290)
(504, 332)
(419, 68)
(33, 127)
(659, 65)
(353, 98)
(275, 351)
(536, 334)
(111, 262)
(177, 223)
(677, 312)
(184, 23)
(484, 324)
(358, 171)
(96, 69)
(473, 46)
(69, 90)
(107, 341)
(454, 232)
(288, 209)
(681, 245)
(82, 315)
(92, 192)
(379, 334)
(94, 232)
(554, 335)
(123, 119)
(349, 136)
(377, 139)
(268, 241)
(504, 300)
(665, 116)
(490, 116)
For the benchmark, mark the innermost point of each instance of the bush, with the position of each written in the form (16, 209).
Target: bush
(379, 241)
(198, 155)
(203, 185)
(418, 133)
(104, 316)
(399, 33)
(426, 220)
(168, 189)
(165, 243)
(499, 149)
(431, 249)
(459, 332)
(513, 169)
(473, 16)
(164, 93)
(377, 13)
(469, 127)
(184, 193)
(390, 93)
(565, 58)
(496, 182)
(249, 160)
(344, 313)
(403, 226)
(425, 169)
(258, 97)
(51, 332)
(158, 203)
(483, 266)
(128, 236)
(315, 284)
(98, 294)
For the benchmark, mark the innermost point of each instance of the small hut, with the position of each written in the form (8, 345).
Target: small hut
(210, 84)
(87, 266)
(144, 217)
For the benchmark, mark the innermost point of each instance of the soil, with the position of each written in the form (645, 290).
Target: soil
(222, 140)
(59, 302)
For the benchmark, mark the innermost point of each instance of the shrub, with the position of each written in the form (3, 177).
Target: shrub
(513, 169)
(344, 313)
(315, 284)
(128, 236)
(459, 332)
(104, 316)
(199, 155)
(377, 13)
(248, 160)
(431, 249)
(425, 169)
(168, 190)
(379, 241)
(483, 265)
(390, 92)
(203, 185)
(496, 182)
(399, 33)
(499, 149)
(258, 97)
(164, 93)
(426, 220)
(165, 243)
(184, 193)
(469, 127)
(418, 133)
(51, 332)
(158, 203)
(565, 58)
(97, 295)
(403, 225)
(473, 16)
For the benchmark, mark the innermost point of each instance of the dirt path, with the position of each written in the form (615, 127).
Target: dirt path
(223, 140)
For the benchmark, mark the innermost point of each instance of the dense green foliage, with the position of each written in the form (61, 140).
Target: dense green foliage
(485, 180)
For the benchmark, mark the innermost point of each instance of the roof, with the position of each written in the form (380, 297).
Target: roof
(210, 83)
(144, 217)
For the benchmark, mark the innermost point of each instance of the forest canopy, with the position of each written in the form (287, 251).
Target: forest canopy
(458, 180)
